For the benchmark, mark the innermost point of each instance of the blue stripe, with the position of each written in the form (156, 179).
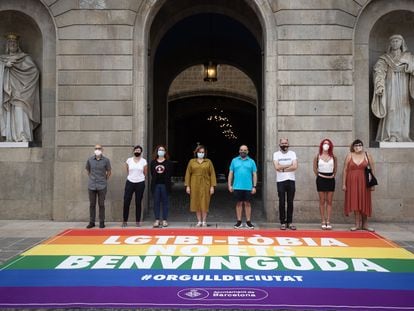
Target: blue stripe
(310, 279)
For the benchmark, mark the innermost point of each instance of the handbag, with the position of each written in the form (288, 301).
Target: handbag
(370, 179)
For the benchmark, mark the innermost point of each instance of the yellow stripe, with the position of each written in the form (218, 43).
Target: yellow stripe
(218, 250)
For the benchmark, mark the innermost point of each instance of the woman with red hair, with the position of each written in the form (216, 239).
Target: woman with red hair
(324, 167)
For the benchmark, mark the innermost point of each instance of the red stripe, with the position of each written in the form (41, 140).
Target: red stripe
(222, 232)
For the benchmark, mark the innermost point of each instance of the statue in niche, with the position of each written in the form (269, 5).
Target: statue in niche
(393, 91)
(19, 99)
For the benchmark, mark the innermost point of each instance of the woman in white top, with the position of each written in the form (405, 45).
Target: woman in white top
(136, 167)
(324, 167)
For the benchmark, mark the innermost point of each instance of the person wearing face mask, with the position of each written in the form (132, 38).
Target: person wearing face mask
(324, 167)
(357, 195)
(200, 180)
(98, 168)
(161, 170)
(285, 163)
(136, 168)
(242, 182)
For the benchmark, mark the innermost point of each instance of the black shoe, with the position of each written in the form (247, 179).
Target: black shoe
(249, 225)
(90, 225)
(238, 225)
(101, 225)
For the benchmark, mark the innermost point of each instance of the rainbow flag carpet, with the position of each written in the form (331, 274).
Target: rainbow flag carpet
(211, 269)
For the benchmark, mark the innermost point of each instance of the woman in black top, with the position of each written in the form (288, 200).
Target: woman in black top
(161, 170)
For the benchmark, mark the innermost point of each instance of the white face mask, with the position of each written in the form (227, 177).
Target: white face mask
(325, 147)
(200, 155)
(98, 153)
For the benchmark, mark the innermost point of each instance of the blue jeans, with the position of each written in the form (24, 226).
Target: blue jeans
(160, 197)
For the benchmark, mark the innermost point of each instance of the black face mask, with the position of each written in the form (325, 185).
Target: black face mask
(284, 148)
(243, 154)
(137, 154)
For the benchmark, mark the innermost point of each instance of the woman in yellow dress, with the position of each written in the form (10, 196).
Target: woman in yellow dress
(200, 180)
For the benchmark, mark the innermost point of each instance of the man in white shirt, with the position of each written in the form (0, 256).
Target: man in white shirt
(285, 162)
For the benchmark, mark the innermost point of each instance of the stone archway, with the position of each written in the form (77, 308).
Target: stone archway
(219, 115)
(143, 91)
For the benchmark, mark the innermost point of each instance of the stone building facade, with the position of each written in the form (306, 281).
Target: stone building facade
(105, 80)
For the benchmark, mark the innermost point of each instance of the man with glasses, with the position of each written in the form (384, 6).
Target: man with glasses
(242, 182)
(99, 170)
(285, 162)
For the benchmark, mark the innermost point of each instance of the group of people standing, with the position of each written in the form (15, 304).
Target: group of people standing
(99, 170)
(200, 182)
(354, 184)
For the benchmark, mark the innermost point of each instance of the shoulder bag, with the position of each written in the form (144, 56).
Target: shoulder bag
(369, 177)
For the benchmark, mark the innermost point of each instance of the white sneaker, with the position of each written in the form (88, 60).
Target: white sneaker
(199, 224)
(204, 224)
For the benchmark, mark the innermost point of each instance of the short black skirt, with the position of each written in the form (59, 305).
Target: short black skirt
(325, 184)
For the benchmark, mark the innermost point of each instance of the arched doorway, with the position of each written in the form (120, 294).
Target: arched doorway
(229, 36)
(220, 115)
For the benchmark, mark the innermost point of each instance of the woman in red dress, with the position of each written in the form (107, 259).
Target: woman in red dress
(357, 194)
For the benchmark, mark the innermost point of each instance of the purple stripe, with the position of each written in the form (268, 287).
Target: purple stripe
(173, 297)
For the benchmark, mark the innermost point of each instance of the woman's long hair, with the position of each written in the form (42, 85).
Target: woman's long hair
(331, 146)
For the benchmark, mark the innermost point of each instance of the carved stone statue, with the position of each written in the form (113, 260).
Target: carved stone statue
(19, 99)
(393, 91)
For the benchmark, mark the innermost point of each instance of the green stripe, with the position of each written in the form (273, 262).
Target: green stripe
(51, 262)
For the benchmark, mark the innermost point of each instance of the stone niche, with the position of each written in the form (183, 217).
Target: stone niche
(30, 43)
(396, 22)
(27, 173)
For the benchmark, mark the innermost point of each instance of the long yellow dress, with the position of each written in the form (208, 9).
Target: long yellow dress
(200, 177)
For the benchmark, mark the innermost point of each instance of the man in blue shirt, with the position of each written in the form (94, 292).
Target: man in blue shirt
(242, 182)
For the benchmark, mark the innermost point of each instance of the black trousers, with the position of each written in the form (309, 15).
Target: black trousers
(92, 204)
(131, 188)
(286, 190)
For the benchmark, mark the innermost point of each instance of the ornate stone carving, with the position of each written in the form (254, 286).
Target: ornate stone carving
(393, 90)
(20, 104)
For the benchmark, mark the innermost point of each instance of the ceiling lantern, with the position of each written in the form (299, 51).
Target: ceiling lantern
(210, 72)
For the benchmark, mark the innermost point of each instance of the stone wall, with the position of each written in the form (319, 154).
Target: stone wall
(96, 90)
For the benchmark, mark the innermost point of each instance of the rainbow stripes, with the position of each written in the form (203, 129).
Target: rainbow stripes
(183, 268)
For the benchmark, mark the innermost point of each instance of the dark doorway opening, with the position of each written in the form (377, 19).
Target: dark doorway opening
(221, 124)
(228, 34)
